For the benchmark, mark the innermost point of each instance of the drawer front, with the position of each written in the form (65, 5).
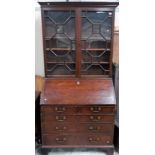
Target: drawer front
(45, 117)
(92, 139)
(49, 127)
(53, 139)
(97, 140)
(74, 110)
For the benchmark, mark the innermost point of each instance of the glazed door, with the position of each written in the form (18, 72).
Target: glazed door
(77, 42)
(59, 42)
(96, 40)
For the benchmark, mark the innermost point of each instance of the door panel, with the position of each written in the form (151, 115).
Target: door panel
(96, 32)
(60, 42)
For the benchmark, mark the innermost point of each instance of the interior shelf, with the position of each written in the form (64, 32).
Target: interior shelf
(88, 49)
(58, 49)
(49, 62)
(96, 49)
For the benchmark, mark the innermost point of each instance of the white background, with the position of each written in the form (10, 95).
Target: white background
(137, 77)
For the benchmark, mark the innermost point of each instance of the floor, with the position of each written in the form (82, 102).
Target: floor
(70, 152)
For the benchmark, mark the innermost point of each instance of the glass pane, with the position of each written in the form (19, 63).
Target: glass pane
(94, 69)
(106, 28)
(69, 28)
(58, 16)
(50, 28)
(97, 17)
(86, 28)
(96, 41)
(60, 42)
(95, 22)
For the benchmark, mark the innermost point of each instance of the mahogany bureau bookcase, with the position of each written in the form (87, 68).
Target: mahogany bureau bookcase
(78, 101)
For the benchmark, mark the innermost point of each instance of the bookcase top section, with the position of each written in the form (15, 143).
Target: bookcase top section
(78, 4)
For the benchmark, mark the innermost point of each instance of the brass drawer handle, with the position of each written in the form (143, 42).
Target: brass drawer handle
(95, 109)
(95, 118)
(60, 129)
(94, 128)
(60, 118)
(60, 109)
(94, 139)
(61, 139)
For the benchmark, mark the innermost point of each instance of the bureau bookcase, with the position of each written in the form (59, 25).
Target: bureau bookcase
(78, 100)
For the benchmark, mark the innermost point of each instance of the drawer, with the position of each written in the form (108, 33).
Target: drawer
(74, 110)
(76, 139)
(49, 127)
(53, 139)
(97, 139)
(46, 117)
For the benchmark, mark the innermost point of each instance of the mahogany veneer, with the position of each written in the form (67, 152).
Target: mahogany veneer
(71, 92)
(77, 113)
(78, 101)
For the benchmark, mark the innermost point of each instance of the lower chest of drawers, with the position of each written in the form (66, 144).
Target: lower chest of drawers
(77, 125)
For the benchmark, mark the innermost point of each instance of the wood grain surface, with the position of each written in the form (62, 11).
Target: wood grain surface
(73, 91)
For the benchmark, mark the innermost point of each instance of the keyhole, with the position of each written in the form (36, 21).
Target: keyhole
(78, 82)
